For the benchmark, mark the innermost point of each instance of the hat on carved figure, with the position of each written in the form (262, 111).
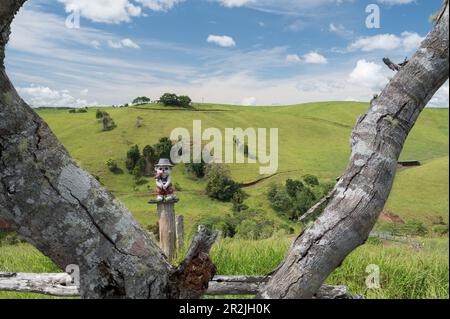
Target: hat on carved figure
(164, 162)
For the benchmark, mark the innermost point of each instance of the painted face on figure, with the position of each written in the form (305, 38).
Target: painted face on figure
(163, 171)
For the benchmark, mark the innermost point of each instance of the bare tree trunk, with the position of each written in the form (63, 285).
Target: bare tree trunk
(361, 193)
(64, 211)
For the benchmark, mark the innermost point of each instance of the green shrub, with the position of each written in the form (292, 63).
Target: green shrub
(112, 165)
(414, 228)
(108, 123)
(311, 180)
(100, 114)
(133, 156)
(198, 170)
(219, 185)
(440, 230)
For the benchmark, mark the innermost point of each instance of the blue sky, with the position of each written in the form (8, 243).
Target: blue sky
(246, 52)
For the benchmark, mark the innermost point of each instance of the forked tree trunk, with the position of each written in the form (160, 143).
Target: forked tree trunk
(67, 215)
(62, 210)
(361, 193)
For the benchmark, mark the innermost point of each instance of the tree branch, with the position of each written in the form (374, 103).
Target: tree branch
(362, 191)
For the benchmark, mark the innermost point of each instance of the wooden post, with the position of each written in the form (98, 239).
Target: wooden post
(167, 230)
(180, 232)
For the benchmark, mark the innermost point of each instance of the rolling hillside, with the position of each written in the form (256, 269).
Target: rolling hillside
(314, 139)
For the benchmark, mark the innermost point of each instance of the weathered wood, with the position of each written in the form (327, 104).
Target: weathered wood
(180, 232)
(62, 285)
(362, 191)
(320, 204)
(191, 278)
(167, 229)
(48, 284)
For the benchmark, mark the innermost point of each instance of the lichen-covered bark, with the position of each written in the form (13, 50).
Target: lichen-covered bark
(361, 193)
(64, 211)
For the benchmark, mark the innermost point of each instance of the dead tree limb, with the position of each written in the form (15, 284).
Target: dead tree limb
(394, 66)
(61, 285)
(361, 193)
(191, 278)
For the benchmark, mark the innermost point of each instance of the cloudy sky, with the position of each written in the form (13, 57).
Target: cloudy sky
(246, 52)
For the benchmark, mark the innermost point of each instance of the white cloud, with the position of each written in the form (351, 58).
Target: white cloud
(236, 3)
(411, 41)
(288, 7)
(297, 26)
(105, 11)
(38, 96)
(293, 58)
(396, 2)
(115, 11)
(309, 58)
(340, 30)
(369, 75)
(223, 41)
(441, 98)
(159, 5)
(124, 43)
(407, 41)
(314, 58)
(248, 101)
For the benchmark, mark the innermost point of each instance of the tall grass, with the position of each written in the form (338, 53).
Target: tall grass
(406, 272)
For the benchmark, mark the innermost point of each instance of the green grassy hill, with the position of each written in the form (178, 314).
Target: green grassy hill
(313, 139)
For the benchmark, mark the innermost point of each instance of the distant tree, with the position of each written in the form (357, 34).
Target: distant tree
(163, 148)
(141, 100)
(219, 185)
(169, 99)
(100, 114)
(108, 123)
(139, 122)
(184, 101)
(133, 156)
(151, 159)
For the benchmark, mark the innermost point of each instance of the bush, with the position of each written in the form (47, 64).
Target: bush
(133, 156)
(139, 122)
(112, 165)
(141, 100)
(184, 101)
(108, 123)
(170, 99)
(197, 170)
(440, 230)
(163, 148)
(311, 180)
(293, 199)
(414, 228)
(100, 114)
(220, 186)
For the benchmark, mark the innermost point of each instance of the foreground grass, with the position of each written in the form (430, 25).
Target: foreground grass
(406, 273)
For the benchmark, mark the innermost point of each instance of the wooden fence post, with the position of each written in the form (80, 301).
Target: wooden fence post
(180, 232)
(167, 230)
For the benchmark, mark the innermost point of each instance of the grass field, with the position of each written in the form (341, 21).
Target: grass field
(405, 272)
(313, 139)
